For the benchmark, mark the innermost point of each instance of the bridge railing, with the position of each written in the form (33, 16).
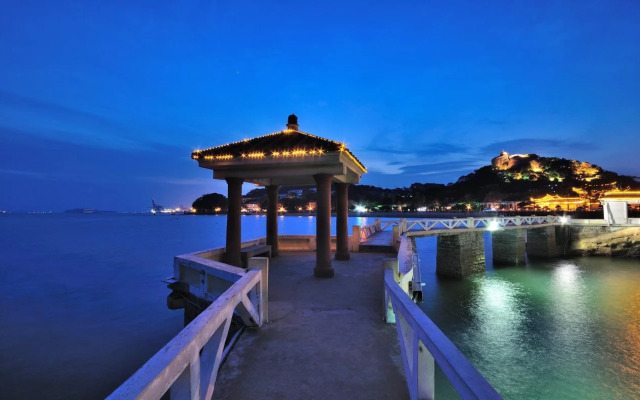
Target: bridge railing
(188, 365)
(478, 223)
(422, 345)
(415, 226)
(377, 226)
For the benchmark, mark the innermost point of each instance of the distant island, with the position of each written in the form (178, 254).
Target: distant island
(512, 182)
(87, 211)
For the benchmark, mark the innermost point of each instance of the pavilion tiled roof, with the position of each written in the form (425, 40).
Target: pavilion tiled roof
(286, 143)
(622, 195)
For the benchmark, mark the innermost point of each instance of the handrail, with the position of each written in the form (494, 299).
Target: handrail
(189, 363)
(368, 230)
(485, 223)
(416, 332)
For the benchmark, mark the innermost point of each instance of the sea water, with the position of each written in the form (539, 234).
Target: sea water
(556, 329)
(82, 303)
(82, 307)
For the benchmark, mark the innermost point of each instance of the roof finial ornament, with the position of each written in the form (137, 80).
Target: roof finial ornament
(292, 122)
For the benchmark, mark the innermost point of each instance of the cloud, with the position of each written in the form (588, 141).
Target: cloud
(530, 145)
(29, 174)
(441, 148)
(176, 181)
(40, 106)
(72, 125)
(442, 167)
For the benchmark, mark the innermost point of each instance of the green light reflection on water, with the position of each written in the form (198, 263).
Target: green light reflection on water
(560, 329)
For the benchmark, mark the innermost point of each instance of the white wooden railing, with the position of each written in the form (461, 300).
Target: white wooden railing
(377, 226)
(413, 226)
(422, 344)
(188, 365)
(478, 223)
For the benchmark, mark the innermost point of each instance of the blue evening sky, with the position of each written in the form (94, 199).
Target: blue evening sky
(102, 102)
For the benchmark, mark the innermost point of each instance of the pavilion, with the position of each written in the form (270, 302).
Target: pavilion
(616, 203)
(288, 157)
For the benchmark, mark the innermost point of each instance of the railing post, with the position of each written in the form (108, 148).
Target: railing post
(470, 223)
(262, 264)
(395, 236)
(391, 265)
(187, 386)
(426, 373)
(355, 239)
(403, 226)
(377, 222)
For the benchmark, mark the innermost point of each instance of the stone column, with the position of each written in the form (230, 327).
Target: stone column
(272, 219)
(232, 253)
(508, 246)
(323, 267)
(460, 255)
(541, 242)
(342, 223)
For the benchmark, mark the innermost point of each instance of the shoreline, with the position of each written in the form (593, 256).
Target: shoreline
(437, 214)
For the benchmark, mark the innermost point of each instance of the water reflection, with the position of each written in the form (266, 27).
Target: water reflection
(548, 330)
(498, 312)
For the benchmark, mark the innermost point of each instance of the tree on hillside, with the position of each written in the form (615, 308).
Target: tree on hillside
(208, 203)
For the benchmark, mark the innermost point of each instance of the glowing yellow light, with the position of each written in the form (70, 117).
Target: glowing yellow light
(299, 152)
(617, 194)
(342, 147)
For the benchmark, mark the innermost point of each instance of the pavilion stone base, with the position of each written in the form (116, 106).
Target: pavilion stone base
(545, 242)
(460, 255)
(508, 247)
(320, 272)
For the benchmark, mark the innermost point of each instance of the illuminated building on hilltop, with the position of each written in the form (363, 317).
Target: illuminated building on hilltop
(553, 202)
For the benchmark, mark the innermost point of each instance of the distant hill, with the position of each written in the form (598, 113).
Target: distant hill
(516, 177)
(520, 176)
(88, 211)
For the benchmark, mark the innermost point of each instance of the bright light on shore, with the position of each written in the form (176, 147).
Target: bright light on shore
(494, 225)
(564, 219)
(360, 208)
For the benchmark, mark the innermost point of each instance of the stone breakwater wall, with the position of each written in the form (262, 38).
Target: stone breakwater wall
(605, 241)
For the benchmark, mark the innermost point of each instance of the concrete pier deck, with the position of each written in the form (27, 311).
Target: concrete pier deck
(379, 241)
(325, 339)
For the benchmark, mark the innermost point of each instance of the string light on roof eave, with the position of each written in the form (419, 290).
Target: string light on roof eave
(286, 131)
(342, 147)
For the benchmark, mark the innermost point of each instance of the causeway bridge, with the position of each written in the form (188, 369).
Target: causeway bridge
(304, 337)
(460, 248)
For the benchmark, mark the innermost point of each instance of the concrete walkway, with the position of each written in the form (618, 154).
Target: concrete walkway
(325, 339)
(379, 241)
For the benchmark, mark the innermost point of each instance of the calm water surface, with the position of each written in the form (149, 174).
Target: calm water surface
(83, 306)
(564, 329)
(81, 298)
